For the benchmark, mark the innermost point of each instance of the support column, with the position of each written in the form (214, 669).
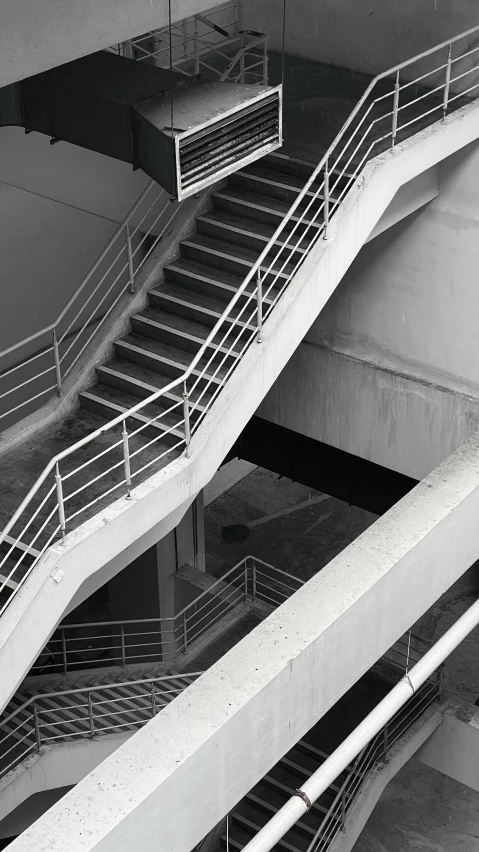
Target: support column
(146, 588)
(190, 536)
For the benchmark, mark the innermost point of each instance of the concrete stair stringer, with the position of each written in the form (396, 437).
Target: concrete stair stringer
(103, 545)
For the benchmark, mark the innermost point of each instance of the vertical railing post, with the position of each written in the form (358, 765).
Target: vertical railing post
(246, 581)
(254, 579)
(153, 701)
(343, 811)
(259, 306)
(448, 82)
(58, 369)
(38, 736)
(197, 48)
(185, 633)
(60, 504)
(243, 40)
(186, 416)
(123, 649)
(326, 200)
(395, 112)
(131, 274)
(90, 715)
(265, 62)
(126, 460)
(64, 652)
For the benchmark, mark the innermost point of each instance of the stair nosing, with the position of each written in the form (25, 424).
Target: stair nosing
(204, 218)
(163, 359)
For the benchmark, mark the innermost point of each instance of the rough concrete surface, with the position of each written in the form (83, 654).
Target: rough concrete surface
(422, 811)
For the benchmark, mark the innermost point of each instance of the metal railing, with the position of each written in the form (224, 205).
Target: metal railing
(200, 40)
(77, 646)
(372, 756)
(59, 345)
(51, 717)
(392, 107)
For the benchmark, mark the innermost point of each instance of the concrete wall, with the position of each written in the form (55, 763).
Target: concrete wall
(40, 35)
(368, 36)
(389, 370)
(59, 205)
(454, 748)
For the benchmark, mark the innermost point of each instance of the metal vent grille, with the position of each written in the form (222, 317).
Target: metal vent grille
(228, 144)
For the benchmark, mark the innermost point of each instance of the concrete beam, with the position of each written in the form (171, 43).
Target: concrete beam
(176, 778)
(56, 766)
(409, 198)
(41, 35)
(454, 747)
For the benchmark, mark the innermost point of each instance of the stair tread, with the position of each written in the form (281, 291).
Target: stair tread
(122, 401)
(149, 379)
(210, 273)
(262, 802)
(262, 171)
(254, 827)
(195, 330)
(260, 230)
(235, 252)
(166, 352)
(277, 206)
(200, 301)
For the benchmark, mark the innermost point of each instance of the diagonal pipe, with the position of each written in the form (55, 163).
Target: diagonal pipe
(319, 781)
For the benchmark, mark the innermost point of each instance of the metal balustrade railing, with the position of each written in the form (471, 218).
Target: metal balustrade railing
(239, 56)
(394, 106)
(59, 345)
(51, 717)
(371, 757)
(105, 643)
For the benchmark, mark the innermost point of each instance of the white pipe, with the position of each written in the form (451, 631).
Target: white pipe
(320, 780)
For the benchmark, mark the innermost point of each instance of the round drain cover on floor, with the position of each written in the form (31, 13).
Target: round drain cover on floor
(235, 532)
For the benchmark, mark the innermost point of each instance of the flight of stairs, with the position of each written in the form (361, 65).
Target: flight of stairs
(196, 289)
(273, 791)
(120, 703)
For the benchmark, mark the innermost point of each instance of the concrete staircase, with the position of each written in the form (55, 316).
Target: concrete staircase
(87, 705)
(197, 288)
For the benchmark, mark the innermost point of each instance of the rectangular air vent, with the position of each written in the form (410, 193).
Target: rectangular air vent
(226, 144)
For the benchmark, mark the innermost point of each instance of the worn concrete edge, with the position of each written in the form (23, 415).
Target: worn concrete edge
(86, 551)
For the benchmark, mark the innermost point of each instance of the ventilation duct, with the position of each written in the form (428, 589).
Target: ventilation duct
(122, 108)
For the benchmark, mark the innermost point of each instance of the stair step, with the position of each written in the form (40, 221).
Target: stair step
(263, 208)
(210, 281)
(185, 333)
(164, 358)
(203, 309)
(239, 230)
(248, 825)
(236, 259)
(282, 787)
(141, 382)
(264, 181)
(269, 809)
(110, 403)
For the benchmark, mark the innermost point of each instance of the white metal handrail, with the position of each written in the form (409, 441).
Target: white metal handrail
(382, 113)
(197, 40)
(406, 701)
(100, 709)
(75, 646)
(112, 275)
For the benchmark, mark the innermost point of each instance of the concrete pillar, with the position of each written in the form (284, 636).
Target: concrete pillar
(146, 587)
(190, 536)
